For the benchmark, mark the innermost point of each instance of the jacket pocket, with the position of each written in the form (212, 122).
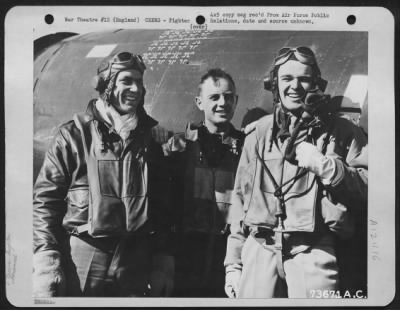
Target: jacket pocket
(337, 217)
(109, 174)
(78, 198)
(121, 178)
(78, 206)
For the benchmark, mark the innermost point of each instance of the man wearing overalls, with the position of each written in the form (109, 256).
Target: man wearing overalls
(101, 207)
(301, 172)
(207, 155)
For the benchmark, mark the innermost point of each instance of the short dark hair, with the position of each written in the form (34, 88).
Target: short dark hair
(215, 74)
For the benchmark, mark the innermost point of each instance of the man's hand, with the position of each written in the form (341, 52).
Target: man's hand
(232, 280)
(162, 275)
(176, 143)
(308, 156)
(48, 277)
(160, 134)
(249, 128)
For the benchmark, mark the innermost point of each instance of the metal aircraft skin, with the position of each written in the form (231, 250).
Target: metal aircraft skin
(175, 61)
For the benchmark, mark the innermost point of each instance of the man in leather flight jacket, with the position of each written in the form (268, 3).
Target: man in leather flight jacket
(207, 155)
(102, 226)
(302, 172)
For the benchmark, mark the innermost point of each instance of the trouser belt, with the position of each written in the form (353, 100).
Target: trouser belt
(271, 239)
(288, 244)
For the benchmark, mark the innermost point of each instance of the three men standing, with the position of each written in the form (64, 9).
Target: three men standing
(105, 207)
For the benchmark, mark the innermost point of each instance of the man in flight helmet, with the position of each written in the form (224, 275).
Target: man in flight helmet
(301, 173)
(101, 209)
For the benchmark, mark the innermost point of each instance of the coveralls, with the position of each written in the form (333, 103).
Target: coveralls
(315, 211)
(207, 168)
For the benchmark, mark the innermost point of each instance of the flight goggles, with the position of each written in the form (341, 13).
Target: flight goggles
(122, 61)
(302, 53)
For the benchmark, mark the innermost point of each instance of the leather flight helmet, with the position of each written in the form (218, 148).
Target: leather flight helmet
(302, 54)
(108, 69)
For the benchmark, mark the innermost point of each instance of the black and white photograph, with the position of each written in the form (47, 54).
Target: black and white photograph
(203, 156)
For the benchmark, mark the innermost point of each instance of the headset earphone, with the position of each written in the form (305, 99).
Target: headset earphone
(99, 84)
(101, 80)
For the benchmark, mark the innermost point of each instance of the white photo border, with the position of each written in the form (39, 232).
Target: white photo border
(24, 24)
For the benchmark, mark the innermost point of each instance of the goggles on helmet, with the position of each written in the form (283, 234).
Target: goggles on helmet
(302, 53)
(122, 61)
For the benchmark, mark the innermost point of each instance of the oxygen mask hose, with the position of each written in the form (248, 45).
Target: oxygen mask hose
(290, 151)
(315, 105)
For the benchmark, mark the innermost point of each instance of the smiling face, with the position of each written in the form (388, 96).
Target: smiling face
(294, 81)
(217, 99)
(128, 91)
